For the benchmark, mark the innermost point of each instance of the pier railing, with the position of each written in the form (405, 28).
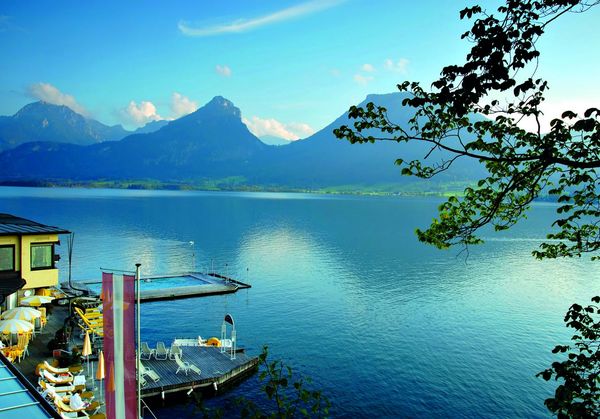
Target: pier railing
(146, 408)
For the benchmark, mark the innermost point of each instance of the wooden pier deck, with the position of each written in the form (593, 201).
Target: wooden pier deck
(217, 370)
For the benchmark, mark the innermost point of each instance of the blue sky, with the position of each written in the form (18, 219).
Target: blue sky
(290, 66)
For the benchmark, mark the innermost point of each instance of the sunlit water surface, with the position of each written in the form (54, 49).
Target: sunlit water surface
(341, 290)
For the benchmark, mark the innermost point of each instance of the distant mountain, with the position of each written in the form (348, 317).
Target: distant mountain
(322, 160)
(273, 140)
(210, 142)
(213, 143)
(41, 121)
(151, 127)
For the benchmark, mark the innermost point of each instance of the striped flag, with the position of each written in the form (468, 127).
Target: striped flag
(119, 345)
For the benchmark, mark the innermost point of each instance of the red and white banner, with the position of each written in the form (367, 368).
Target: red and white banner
(118, 292)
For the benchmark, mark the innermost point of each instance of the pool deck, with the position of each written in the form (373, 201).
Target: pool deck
(218, 371)
(217, 284)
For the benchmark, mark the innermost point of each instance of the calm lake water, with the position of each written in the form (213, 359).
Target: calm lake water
(342, 291)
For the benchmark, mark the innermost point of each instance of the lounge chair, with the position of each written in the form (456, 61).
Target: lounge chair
(161, 351)
(63, 407)
(146, 353)
(66, 415)
(55, 370)
(186, 366)
(143, 382)
(95, 326)
(86, 395)
(55, 389)
(175, 351)
(149, 372)
(58, 379)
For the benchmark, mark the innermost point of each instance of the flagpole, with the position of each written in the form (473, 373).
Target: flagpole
(139, 385)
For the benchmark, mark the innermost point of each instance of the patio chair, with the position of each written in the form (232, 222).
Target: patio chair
(161, 351)
(37, 325)
(23, 343)
(175, 351)
(149, 372)
(186, 366)
(58, 379)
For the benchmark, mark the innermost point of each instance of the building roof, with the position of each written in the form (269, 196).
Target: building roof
(18, 397)
(12, 225)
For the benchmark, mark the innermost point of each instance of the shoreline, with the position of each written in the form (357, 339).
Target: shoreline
(352, 190)
(185, 187)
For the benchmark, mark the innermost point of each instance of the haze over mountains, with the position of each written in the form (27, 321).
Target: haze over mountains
(44, 142)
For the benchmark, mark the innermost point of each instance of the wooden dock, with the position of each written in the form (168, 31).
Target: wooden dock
(217, 371)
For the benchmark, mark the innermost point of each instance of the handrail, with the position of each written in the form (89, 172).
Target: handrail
(148, 408)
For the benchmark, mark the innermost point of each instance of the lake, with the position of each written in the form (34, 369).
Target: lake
(341, 290)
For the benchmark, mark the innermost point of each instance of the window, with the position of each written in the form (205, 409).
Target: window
(7, 258)
(42, 256)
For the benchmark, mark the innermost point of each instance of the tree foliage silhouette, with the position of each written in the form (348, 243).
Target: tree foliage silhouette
(498, 81)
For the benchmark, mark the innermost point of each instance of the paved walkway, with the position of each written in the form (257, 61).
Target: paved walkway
(38, 347)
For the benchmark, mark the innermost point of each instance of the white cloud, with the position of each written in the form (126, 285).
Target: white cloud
(360, 79)
(243, 25)
(399, 66)
(181, 105)
(48, 93)
(369, 68)
(291, 132)
(141, 114)
(223, 70)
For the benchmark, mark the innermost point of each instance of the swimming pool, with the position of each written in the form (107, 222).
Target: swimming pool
(166, 281)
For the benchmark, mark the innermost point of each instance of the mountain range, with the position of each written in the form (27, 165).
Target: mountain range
(211, 144)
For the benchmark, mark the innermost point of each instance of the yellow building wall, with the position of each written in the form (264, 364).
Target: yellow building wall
(38, 278)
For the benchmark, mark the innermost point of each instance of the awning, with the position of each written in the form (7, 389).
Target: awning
(10, 282)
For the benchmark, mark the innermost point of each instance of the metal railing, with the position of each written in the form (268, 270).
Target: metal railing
(145, 408)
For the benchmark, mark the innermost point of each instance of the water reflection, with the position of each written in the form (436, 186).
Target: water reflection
(342, 290)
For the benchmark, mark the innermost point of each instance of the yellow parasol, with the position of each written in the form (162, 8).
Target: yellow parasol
(21, 313)
(87, 349)
(36, 300)
(87, 345)
(15, 326)
(100, 371)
